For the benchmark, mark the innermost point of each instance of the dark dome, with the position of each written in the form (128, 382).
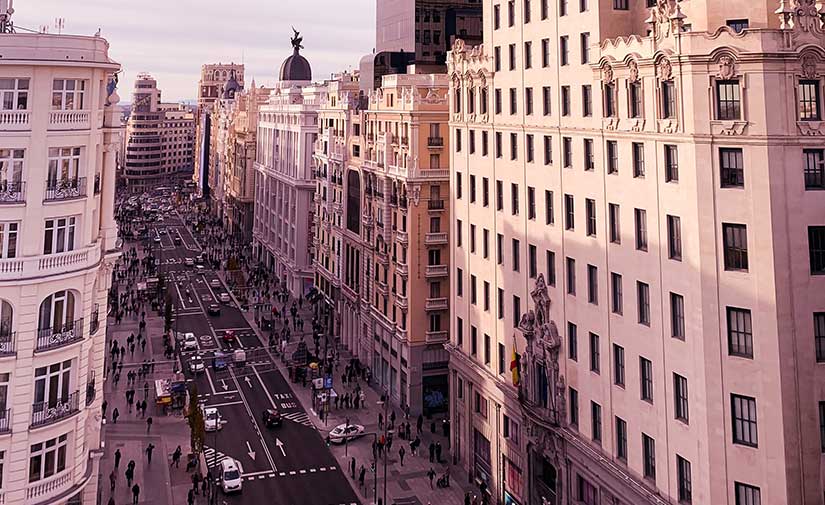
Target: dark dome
(231, 87)
(296, 68)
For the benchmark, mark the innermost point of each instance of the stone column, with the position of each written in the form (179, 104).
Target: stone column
(108, 173)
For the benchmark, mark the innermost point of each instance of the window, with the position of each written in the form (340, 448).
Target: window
(816, 249)
(596, 422)
(822, 427)
(567, 152)
(472, 188)
(814, 168)
(680, 397)
(590, 216)
(500, 248)
(8, 240)
(458, 141)
(501, 358)
(569, 213)
(483, 105)
(564, 51)
(548, 207)
(609, 100)
(674, 238)
(614, 220)
(514, 203)
(496, 17)
(480, 405)
(485, 191)
(473, 290)
(571, 276)
(819, 336)
(528, 55)
(621, 439)
(584, 39)
(572, 341)
(636, 100)
(548, 149)
(740, 332)
(587, 100)
(620, 5)
(809, 107)
(737, 25)
(743, 414)
(643, 295)
(545, 9)
(64, 165)
(677, 316)
(459, 282)
(500, 303)
(731, 168)
(728, 100)
(735, 241)
(746, 494)
(616, 305)
(612, 157)
(499, 148)
(485, 243)
(649, 456)
(499, 195)
(684, 480)
(473, 342)
(531, 202)
(484, 143)
(565, 100)
(68, 94)
(47, 458)
(530, 148)
(11, 167)
(646, 378)
(516, 310)
(574, 407)
(592, 284)
(595, 355)
(562, 7)
(546, 99)
(59, 235)
(458, 233)
(497, 98)
(528, 101)
(640, 220)
(668, 100)
(550, 257)
(526, 11)
(511, 13)
(14, 95)
(458, 188)
(513, 106)
(487, 349)
(472, 238)
(510, 427)
(545, 53)
(618, 365)
(516, 255)
(671, 163)
(638, 159)
(589, 162)
(532, 261)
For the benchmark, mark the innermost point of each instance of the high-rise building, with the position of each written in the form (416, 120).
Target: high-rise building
(284, 184)
(219, 127)
(59, 131)
(160, 138)
(210, 87)
(639, 187)
(381, 234)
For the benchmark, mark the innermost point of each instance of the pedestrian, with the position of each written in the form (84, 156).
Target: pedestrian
(112, 479)
(130, 474)
(196, 480)
(204, 485)
(115, 415)
(149, 449)
(361, 475)
(438, 452)
(431, 475)
(136, 494)
(148, 424)
(352, 467)
(467, 498)
(103, 408)
(420, 423)
(117, 458)
(176, 457)
(432, 452)
(190, 498)
(401, 453)
(380, 421)
(143, 345)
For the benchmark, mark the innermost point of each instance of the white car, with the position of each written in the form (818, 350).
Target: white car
(344, 432)
(196, 364)
(189, 262)
(212, 419)
(215, 283)
(190, 342)
(230, 475)
(224, 297)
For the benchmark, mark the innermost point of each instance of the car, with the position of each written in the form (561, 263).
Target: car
(229, 336)
(177, 241)
(189, 262)
(345, 432)
(214, 309)
(224, 297)
(190, 341)
(215, 283)
(196, 364)
(212, 419)
(231, 480)
(220, 361)
(162, 231)
(200, 269)
(157, 240)
(271, 417)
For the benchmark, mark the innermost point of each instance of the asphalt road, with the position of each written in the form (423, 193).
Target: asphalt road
(286, 465)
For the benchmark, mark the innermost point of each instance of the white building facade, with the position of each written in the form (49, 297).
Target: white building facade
(58, 139)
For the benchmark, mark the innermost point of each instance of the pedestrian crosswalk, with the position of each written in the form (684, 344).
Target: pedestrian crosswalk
(213, 457)
(298, 417)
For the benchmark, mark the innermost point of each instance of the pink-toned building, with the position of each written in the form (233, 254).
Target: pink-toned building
(638, 216)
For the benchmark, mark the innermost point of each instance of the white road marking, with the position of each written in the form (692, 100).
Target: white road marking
(224, 404)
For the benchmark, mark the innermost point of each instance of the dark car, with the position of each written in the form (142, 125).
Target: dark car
(177, 241)
(214, 309)
(271, 417)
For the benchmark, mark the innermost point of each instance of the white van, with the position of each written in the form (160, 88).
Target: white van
(230, 476)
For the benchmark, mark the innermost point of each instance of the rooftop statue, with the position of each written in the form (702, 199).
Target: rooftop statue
(296, 40)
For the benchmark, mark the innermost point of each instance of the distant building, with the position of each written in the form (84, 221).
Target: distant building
(159, 139)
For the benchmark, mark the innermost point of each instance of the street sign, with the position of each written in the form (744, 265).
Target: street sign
(328, 381)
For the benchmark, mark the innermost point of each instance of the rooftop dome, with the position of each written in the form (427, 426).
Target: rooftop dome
(231, 87)
(296, 67)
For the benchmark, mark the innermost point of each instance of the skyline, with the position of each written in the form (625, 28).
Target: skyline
(137, 37)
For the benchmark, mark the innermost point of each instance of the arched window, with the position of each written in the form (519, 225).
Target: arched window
(57, 312)
(6, 313)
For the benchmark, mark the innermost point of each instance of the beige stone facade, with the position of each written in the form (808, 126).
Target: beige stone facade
(639, 190)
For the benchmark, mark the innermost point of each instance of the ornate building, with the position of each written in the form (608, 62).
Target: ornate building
(655, 173)
(60, 127)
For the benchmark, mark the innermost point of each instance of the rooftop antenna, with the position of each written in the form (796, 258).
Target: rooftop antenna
(59, 24)
(6, 10)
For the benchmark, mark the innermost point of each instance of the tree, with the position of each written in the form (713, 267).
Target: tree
(167, 317)
(197, 435)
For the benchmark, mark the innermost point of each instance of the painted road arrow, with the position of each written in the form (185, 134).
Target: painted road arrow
(248, 382)
(280, 446)
(223, 385)
(250, 451)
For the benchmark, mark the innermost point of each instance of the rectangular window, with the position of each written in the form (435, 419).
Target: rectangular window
(59, 235)
(526, 11)
(618, 365)
(646, 379)
(569, 213)
(528, 101)
(499, 195)
(459, 282)
(683, 479)
(572, 341)
(680, 397)
(592, 284)
(486, 296)
(643, 297)
(48, 458)
(474, 342)
(472, 238)
(574, 407)
(640, 220)
(496, 17)
(516, 255)
(589, 162)
(571, 276)
(485, 243)
(458, 186)
(528, 54)
(501, 359)
(731, 167)
(485, 191)
(562, 7)
(472, 188)
(740, 332)
(548, 149)
(668, 100)
(613, 212)
(737, 25)
(487, 356)
(587, 100)
(621, 439)
(500, 303)
(550, 258)
(584, 39)
(514, 203)
(484, 143)
(809, 97)
(616, 303)
(499, 145)
(8, 242)
(674, 238)
(819, 336)
(497, 100)
(500, 248)
(590, 216)
(636, 100)
(516, 311)
(822, 427)
(530, 147)
(458, 141)
(728, 100)
(545, 53)
(564, 52)
(595, 355)
(649, 457)
(735, 242)
(513, 105)
(549, 217)
(68, 94)
(816, 249)
(473, 290)
(565, 100)
(814, 168)
(596, 422)
(14, 95)
(746, 494)
(532, 261)
(638, 159)
(671, 163)
(458, 233)
(546, 100)
(743, 414)
(545, 9)
(677, 316)
(567, 152)
(612, 157)
(609, 91)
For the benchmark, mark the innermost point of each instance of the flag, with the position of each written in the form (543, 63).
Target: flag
(515, 364)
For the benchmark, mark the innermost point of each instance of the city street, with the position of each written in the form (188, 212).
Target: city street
(287, 464)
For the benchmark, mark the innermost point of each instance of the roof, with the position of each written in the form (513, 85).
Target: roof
(295, 68)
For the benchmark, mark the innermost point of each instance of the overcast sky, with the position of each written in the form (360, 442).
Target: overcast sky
(171, 39)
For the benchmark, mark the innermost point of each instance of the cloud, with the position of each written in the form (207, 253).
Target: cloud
(173, 38)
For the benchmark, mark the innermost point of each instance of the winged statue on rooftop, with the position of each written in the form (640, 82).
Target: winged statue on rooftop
(296, 39)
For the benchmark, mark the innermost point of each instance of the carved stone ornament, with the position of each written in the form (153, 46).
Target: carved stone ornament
(664, 69)
(458, 46)
(633, 68)
(415, 193)
(809, 66)
(456, 81)
(607, 74)
(806, 16)
(727, 67)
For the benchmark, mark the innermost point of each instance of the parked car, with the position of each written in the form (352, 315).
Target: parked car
(271, 417)
(190, 341)
(230, 476)
(196, 364)
(214, 309)
(344, 432)
(212, 419)
(215, 283)
(224, 297)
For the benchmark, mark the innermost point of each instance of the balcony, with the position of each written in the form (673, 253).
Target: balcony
(69, 120)
(7, 339)
(65, 189)
(435, 204)
(437, 271)
(436, 336)
(94, 324)
(97, 184)
(59, 336)
(436, 304)
(5, 421)
(15, 120)
(402, 301)
(435, 142)
(45, 413)
(435, 238)
(367, 219)
(12, 192)
(402, 237)
(402, 269)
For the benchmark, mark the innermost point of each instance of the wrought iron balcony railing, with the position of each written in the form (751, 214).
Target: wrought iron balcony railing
(51, 411)
(58, 336)
(65, 189)
(12, 192)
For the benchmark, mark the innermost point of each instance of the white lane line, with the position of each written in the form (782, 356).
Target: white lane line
(282, 474)
(312, 470)
(261, 477)
(224, 404)
(302, 471)
(292, 472)
(209, 378)
(323, 469)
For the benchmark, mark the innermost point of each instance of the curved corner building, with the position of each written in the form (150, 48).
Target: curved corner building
(58, 139)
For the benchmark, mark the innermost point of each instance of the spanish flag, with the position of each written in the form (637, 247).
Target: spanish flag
(515, 364)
